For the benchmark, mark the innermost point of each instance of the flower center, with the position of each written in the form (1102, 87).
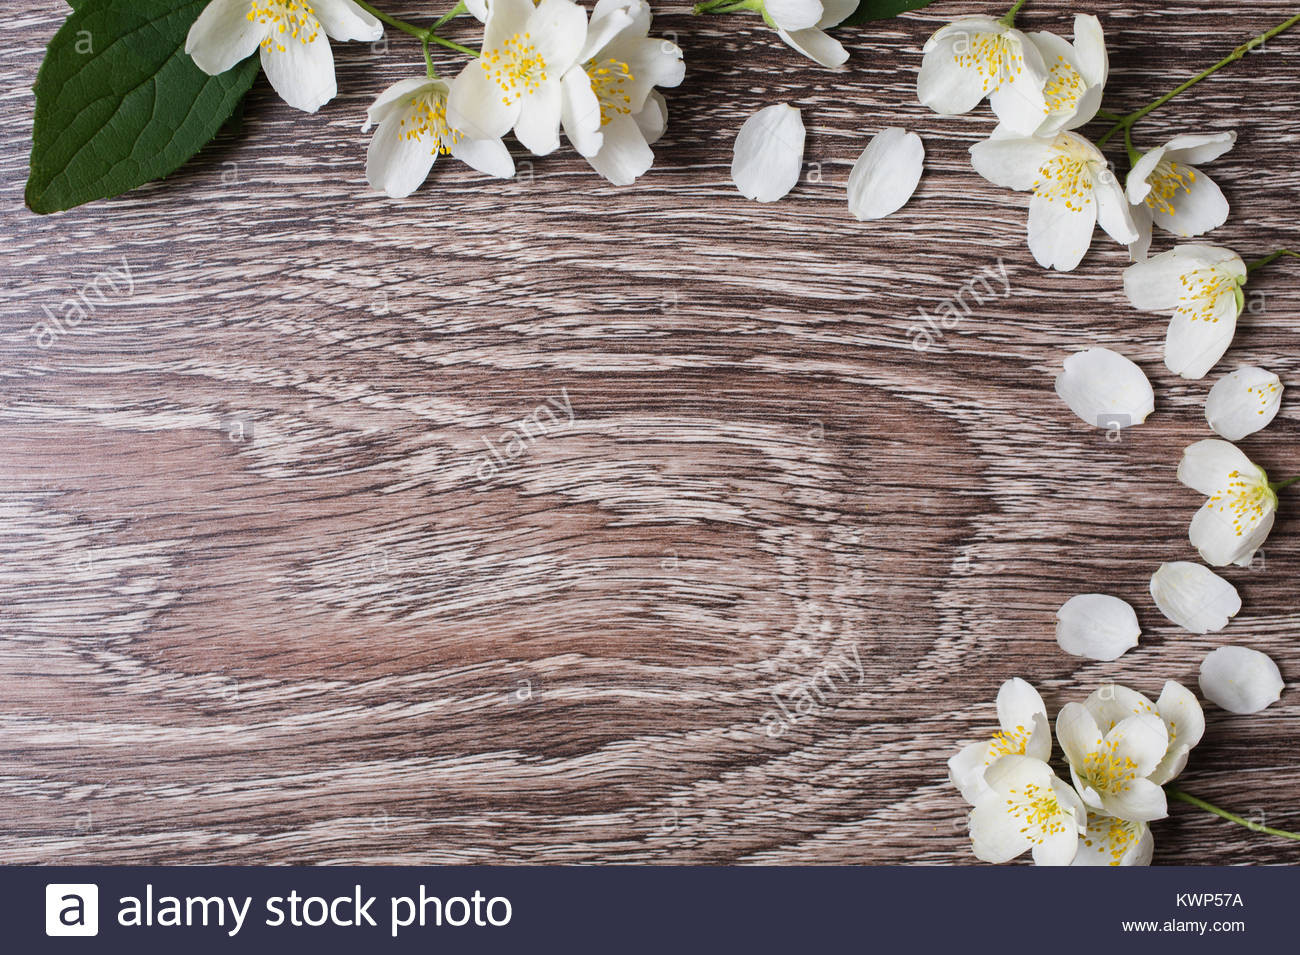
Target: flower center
(1264, 393)
(1202, 289)
(1063, 88)
(1105, 771)
(1117, 835)
(995, 58)
(516, 66)
(428, 117)
(1067, 179)
(1243, 501)
(288, 19)
(1039, 810)
(1008, 743)
(609, 80)
(1165, 181)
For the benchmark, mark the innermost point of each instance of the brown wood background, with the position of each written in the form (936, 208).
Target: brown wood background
(332, 643)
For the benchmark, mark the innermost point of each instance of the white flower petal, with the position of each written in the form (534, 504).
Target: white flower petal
(1018, 703)
(1184, 719)
(1141, 801)
(836, 11)
(1097, 626)
(818, 46)
(1207, 466)
(1194, 345)
(1138, 182)
(1194, 149)
(653, 118)
(768, 154)
(396, 164)
(476, 107)
(1240, 680)
(344, 20)
(1156, 284)
(1013, 162)
(625, 154)
(302, 73)
(1198, 207)
(886, 174)
(794, 14)
(538, 125)
(477, 9)
(966, 771)
(557, 29)
(1243, 402)
(1060, 233)
(489, 156)
(995, 834)
(1105, 389)
(1141, 215)
(1194, 597)
(1090, 49)
(223, 36)
(1114, 214)
(605, 24)
(1222, 536)
(580, 112)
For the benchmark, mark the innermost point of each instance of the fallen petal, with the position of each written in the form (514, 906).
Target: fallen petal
(886, 174)
(1240, 680)
(1097, 626)
(1105, 389)
(1194, 597)
(768, 153)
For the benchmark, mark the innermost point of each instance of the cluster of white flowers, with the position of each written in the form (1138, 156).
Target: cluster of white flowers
(543, 67)
(1121, 749)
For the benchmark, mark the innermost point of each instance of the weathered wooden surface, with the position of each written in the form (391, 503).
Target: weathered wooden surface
(330, 642)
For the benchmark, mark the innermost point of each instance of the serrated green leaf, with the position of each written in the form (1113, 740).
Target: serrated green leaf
(119, 102)
(882, 10)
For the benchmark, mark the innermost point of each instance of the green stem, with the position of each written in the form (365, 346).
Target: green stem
(1112, 117)
(418, 32)
(452, 45)
(1126, 122)
(1008, 19)
(428, 59)
(1133, 154)
(1260, 263)
(455, 11)
(1175, 793)
(728, 6)
(1276, 486)
(424, 36)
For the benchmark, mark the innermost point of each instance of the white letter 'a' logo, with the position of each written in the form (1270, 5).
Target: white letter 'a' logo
(72, 909)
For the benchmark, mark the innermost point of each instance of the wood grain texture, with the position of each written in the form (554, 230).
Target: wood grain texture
(331, 642)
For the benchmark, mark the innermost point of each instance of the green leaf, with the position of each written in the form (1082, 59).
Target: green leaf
(119, 102)
(882, 10)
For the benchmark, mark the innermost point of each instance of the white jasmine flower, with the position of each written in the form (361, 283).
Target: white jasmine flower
(1194, 597)
(1105, 389)
(1243, 402)
(1025, 731)
(1200, 285)
(1072, 92)
(1115, 842)
(1166, 188)
(886, 174)
(413, 132)
(1236, 519)
(1110, 767)
(515, 81)
(1073, 187)
(1026, 807)
(974, 57)
(1177, 707)
(768, 155)
(292, 34)
(611, 112)
(1097, 626)
(1240, 680)
(800, 23)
